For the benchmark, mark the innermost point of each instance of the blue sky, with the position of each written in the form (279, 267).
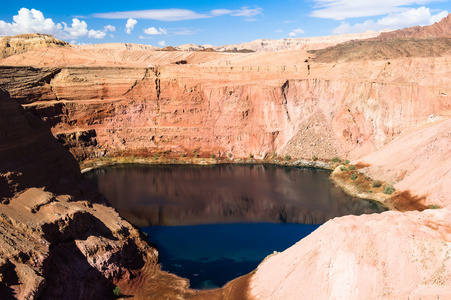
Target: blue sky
(162, 23)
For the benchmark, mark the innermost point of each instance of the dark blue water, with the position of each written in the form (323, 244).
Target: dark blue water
(212, 224)
(211, 255)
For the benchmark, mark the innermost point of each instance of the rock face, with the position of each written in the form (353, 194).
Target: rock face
(387, 256)
(22, 43)
(391, 112)
(437, 30)
(418, 41)
(383, 50)
(267, 45)
(59, 237)
(238, 109)
(419, 162)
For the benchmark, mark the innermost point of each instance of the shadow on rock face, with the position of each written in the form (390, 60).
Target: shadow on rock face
(406, 201)
(80, 226)
(8, 278)
(69, 276)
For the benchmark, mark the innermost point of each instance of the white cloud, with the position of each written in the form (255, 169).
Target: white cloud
(184, 31)
(176, 14)
(30, 21)
(109, 28)
(162, 43)
(33, 21)
(173, 14)
(78, 28)
(343, 9)
(75, 42)
(278, 30)
(438, 17)
(153, 31)
(221, 12)
(96, 34)
(130, 25)
(295, 32)
(248, 13)
(413, 17)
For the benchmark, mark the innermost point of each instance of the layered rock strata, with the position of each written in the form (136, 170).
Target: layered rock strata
(239, 110)
(12, 45)
(389, 114)
(60, 239)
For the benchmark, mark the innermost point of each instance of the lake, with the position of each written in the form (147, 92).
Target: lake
(212, 224)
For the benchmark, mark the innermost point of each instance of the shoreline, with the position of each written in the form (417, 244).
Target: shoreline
(350, 187)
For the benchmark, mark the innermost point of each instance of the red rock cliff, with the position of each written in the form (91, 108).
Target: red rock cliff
(241, 104)
(355, 108)
(60, 239)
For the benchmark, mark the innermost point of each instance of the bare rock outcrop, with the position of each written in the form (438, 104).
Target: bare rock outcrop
(268, 45)
(356, 108)
(383, 50)
(59, 237)
(388, 110)
(418, 161)
(12, 45)
(391, 255)
(419, 41)
(441, 29)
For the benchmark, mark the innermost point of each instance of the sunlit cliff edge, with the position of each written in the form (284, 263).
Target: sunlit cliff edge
(384, 103)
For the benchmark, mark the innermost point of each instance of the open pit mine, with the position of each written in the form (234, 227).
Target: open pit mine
(383, 103)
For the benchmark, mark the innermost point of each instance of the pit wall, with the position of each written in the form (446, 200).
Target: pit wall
(341, 110)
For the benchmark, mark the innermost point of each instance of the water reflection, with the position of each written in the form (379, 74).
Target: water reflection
(187, 195)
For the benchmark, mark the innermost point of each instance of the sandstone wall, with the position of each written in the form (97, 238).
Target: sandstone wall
(346, 109)
(59, 237)
(303, 108)
(391, 255)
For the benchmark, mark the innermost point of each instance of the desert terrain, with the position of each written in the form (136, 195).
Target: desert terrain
(381, 101)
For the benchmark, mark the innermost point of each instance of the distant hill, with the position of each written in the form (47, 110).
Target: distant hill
(383, 50)
(264, 45)
(118, 46)
(326, 48)
(441, 29)
(11, 45)
(419, 41)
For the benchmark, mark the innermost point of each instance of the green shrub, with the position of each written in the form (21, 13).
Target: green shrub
(346, 162)
(376, 183)
(314, 158)
(287, 157)
(251, 155)
(434, 206)
(213, 156)
(183, 155)
(274, 155)
(336, 159)
(343, 168)
(117, 291)
(353, 176)
(389, 189)
(230, 155)
(351, 167)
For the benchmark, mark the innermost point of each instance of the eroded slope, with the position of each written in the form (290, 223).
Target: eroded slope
(60, 239)
(244, 104)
